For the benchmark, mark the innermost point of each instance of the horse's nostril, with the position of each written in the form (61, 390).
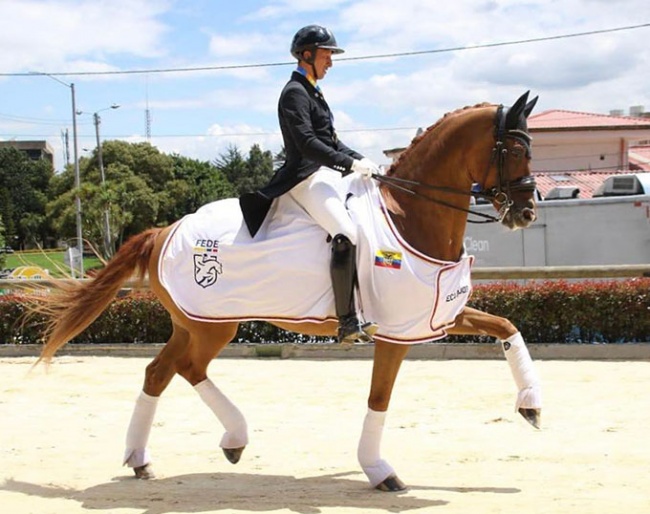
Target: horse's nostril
(528, 214)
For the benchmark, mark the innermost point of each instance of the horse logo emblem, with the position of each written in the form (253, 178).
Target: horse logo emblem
(207, 269)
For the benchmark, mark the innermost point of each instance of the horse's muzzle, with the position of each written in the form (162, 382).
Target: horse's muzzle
(517, 218)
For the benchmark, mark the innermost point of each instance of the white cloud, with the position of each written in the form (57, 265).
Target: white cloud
(47, 35)
(217, 140)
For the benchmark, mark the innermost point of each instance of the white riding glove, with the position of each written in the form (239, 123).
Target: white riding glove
(365, 167)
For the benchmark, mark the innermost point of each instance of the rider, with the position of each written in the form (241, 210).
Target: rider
(315, 161)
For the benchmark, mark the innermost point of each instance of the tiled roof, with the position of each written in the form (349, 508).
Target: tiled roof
(560, 119)
(586, 181)
(639, 157)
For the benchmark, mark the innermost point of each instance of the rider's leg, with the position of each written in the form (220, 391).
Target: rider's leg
(321, 198)
(319, 195)
(343, 270)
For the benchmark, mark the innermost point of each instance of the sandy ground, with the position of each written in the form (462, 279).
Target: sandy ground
(451, 435)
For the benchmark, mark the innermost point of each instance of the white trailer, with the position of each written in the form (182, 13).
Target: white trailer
(597, 231)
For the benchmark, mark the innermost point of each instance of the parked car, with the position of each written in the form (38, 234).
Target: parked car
(6, 249)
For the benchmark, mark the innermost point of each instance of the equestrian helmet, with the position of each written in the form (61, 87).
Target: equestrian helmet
(312, 37)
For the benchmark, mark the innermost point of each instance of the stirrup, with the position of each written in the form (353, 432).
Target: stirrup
(352, 331)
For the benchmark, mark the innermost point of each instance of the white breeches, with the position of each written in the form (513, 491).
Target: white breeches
(320, 196)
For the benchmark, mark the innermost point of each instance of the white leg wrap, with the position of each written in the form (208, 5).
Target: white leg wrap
(523, 371)
(228, 414)
(137, 435)
(376, 469)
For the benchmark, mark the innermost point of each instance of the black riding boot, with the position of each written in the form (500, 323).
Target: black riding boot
(343, 269)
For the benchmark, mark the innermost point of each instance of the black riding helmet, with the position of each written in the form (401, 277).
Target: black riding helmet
(312, 37)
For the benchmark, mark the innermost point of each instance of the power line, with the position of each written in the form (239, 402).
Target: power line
(234, 134)
(493, 45)
(360, 58)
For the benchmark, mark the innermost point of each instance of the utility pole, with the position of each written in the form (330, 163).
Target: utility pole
(77, 179)
(108, 240)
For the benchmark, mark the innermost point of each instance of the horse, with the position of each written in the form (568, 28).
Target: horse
(425, 199)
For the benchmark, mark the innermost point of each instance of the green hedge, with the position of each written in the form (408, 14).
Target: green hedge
(545, 312)
(614, 311)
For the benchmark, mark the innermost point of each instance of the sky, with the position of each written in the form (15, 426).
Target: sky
(209, 73)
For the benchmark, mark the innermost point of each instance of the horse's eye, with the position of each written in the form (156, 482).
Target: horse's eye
(517, 151)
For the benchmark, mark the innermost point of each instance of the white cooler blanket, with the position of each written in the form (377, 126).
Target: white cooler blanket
(215, 271)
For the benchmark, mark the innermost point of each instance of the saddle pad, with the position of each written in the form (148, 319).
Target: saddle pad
(215, 271)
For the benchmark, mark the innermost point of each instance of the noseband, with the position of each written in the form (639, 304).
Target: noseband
(501, 193)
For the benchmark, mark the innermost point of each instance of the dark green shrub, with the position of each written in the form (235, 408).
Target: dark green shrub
(545, 312)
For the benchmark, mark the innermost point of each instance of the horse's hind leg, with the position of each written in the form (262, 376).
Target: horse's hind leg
(529, 398)
(206, 341)
(157, 377)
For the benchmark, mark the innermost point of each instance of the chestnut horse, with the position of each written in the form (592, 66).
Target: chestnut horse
(427, 197)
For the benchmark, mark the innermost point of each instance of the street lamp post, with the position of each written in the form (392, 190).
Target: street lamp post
(77, 179)
(108, 240)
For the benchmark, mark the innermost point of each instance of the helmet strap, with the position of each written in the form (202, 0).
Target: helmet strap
(310, 61)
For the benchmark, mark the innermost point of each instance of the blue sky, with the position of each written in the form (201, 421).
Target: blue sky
(378, 103)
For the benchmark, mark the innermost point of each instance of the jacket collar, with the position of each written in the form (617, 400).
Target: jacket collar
(299, 77)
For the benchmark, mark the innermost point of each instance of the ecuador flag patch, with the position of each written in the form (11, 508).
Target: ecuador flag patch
(388, 259)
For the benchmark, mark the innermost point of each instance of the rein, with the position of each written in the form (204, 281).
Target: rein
(395, 182)
(496, 194)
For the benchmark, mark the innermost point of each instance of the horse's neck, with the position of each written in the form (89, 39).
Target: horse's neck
(432, 229)
(442, 159)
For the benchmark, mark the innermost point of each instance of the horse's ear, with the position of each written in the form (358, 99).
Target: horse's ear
(530, 106)
(515, 112)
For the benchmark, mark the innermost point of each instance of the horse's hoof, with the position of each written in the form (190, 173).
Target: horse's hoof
(533, 416)
(391, 485)
(144, 472)
(233, 454)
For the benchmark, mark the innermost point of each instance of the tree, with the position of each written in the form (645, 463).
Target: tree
(260, 168)
(233, 165)
(246, 174)
(23, 186)
(143, 188)
(195, 183)
(143, 159)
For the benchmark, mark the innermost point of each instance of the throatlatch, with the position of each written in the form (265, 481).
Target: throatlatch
(343, 270)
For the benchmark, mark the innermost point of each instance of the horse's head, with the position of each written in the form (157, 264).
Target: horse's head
(431, 182)
(509, 183)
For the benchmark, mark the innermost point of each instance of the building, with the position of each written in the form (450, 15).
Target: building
(35, 150)
(577, 151)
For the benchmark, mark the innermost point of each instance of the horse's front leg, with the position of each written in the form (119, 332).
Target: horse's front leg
(387, 361)
(529, 398)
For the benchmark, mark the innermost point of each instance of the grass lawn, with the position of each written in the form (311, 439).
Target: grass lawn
(52, 261)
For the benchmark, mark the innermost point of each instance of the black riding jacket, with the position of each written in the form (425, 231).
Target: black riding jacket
(310, 142)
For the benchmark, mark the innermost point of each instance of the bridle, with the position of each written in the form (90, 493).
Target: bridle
(500, 194)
